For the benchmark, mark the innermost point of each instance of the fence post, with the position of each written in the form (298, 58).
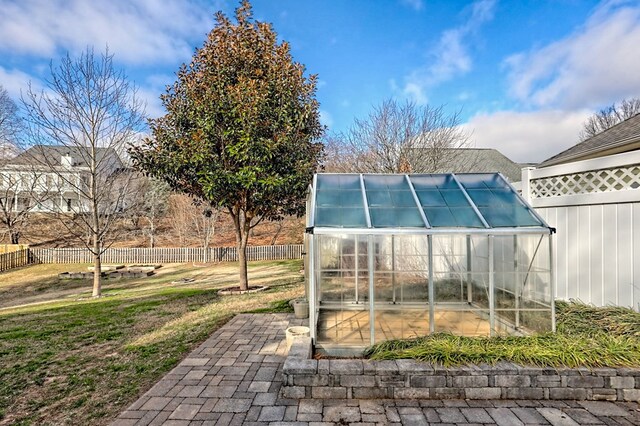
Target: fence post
(525, 184)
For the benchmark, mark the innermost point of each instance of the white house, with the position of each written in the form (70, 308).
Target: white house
(53, 179)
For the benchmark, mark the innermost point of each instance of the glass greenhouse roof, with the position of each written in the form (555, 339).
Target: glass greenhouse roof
(480, 201)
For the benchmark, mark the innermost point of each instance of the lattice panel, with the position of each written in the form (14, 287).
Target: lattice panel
(605, 180)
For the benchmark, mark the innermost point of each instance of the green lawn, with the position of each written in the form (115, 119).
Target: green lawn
(66, 358)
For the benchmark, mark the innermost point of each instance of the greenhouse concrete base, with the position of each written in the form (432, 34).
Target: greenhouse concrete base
(304, 377)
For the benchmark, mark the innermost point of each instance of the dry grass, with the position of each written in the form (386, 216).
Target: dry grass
(68, 359)
(586, 336)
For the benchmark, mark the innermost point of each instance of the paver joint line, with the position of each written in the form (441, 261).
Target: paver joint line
(235, 378)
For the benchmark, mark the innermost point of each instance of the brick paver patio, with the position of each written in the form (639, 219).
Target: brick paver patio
(234, 378)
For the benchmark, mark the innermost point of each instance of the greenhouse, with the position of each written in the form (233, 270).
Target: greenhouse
(393, 256)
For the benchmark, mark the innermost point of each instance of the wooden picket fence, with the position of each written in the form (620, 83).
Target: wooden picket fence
(8, 248)
(15, 259)
(166, 255)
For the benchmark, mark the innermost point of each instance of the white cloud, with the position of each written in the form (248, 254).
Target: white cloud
(140, 32)
(15, 81)
(150, 90)
(594, 66)
(414, 4)
(160, 81)
(415, 91)
(464, 96)
(451, 57)
(527, 136)
(325, 118)
(151, 97)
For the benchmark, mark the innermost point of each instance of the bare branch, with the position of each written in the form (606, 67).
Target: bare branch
(10, 125)
(398, 138)
(609, 117)
(77, 130)
(191, 217)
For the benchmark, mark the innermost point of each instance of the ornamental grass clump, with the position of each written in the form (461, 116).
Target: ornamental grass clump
(587, 336)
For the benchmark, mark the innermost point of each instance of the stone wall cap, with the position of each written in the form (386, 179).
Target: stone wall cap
(569, 371)
(413, 366)
(604, 371)
(300, 366)
(386, 366)
(323, 366)
(345, 366)
(626, 371)
(505, 367)
(301, 348)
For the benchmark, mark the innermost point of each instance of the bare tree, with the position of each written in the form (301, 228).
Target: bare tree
(10, 125)
(339, 155)
(179, 213)
(399, 138)
(22, 190)
(193, 218)
(79, 127)
(609, 117)
(21, 185)
(150, 207)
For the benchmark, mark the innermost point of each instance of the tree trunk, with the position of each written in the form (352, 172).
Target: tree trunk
(242, 263)
(15, 236)
(152, 235)
(277, 234)
(242, 225)
(97, 268)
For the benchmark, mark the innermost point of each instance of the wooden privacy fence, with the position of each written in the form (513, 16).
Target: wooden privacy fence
(15, 259)
(166, 255)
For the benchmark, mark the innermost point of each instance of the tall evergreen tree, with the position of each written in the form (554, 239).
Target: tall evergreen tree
(242, 127)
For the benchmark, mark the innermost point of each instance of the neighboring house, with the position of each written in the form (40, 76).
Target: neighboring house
(623, 137)
(591, 194)
(53, 179)
(481, 160)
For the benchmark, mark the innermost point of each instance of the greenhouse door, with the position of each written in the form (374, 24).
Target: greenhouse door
(342, 277)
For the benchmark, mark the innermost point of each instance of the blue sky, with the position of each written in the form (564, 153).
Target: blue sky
(525, 74)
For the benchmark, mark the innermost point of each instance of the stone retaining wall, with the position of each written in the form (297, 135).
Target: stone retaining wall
(304, 377)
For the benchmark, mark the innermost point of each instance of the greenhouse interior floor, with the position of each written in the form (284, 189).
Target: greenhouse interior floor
(352, 327)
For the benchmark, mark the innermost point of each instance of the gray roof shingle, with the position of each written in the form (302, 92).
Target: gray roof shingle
(52, 154)
(482, 160)
(624, 133)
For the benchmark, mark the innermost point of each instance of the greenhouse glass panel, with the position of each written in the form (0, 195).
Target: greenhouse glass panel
(523, 283)
(402, 269)
(430, 198)
(400, 256)
(391, 202)
(497, 202)
(339, 202)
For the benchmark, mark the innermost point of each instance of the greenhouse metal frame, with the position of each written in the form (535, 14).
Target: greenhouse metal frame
(405, 255)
